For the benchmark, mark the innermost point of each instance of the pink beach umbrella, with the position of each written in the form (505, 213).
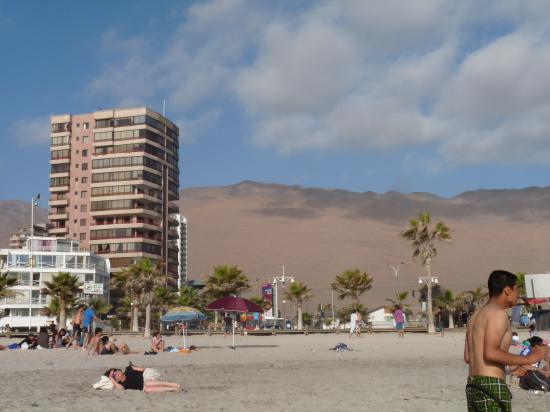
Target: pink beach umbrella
(234, 304)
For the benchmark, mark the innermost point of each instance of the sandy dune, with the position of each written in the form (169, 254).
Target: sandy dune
(272, 373)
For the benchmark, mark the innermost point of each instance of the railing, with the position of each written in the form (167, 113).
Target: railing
(90, 266)
(126, 237)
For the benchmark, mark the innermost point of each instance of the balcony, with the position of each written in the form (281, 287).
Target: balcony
(58, 202)
(58, 231)
(58, 189)
(58, 216)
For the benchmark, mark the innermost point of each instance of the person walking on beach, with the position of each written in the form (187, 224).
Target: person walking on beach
(354, 324)
(227, 325)
(399, 318)
(77, 327)
(488, 339)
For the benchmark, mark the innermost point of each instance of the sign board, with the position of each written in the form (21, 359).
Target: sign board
(537, 286)
(91, 288)
(267, 297)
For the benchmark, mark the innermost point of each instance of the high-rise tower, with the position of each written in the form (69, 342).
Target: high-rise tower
(114, 178)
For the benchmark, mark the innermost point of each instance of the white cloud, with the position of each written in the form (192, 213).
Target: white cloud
(30, 131)
(467, 79)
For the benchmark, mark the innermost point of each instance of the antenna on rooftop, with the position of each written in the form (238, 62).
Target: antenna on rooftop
(164, 107)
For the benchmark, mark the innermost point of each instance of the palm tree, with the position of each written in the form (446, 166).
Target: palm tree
(65, 287)
(258, 300)
(298, 293)
(226, 280)
(6, 284)
(522, 292)
(164, 298)
(189, 296)
(352, 283)
(450, 303)
(149, 277)
(128, 280)
(423, 240)
(477, 296)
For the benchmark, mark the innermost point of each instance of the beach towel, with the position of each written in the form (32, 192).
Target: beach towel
(103, 383)
(488, 394)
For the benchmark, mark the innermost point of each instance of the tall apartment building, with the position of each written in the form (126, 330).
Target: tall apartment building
(114, 178)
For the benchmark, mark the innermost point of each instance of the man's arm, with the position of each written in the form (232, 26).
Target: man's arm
(492, 352)
(466, 349)
(116, 385)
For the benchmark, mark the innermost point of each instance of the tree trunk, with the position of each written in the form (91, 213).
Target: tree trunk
(135, 320)
(147, 333)
(62, 315)
(451, 320)
(300, 323)
(430, 311)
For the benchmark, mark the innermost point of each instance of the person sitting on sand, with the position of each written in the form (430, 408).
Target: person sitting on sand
(30, 342)
(157, 343)
(43, 339)
(95, 343)
(141, 379)
(61, 339)
(533, 343)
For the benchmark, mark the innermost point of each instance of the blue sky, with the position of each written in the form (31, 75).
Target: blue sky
(434, 96)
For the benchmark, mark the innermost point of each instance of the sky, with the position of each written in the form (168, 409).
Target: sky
(425, 96)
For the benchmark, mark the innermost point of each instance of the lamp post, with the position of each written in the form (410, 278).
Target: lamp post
(396, 273)
(34, 202)
(429, 281)
(282, 279)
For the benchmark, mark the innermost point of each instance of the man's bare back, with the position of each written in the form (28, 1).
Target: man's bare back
(476, 338)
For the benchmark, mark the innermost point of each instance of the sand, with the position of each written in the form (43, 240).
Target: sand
(265, 373)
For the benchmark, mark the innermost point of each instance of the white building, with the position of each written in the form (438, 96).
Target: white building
(181, 229)
(42, 258)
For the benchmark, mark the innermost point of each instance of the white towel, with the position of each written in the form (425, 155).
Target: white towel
(103, 383)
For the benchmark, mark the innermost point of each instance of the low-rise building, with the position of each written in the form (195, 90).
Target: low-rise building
(38, 262)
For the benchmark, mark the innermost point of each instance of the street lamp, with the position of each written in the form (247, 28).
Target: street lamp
(34, 202)
(282, 280)
(396, 273)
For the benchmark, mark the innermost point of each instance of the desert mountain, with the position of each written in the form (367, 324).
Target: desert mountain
(317, 233)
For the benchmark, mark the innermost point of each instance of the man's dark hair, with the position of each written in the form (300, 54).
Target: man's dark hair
(536, 341)
(498, 280)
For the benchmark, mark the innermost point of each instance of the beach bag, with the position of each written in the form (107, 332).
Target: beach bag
(534, 380)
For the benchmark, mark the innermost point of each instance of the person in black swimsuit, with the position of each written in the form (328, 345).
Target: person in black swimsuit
(141, 379)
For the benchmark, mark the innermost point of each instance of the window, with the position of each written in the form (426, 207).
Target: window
(84, 179)
(83, 236)
(85, 139)
(76, 165)
(74, 235)
(83, 208)
(77, 151)
(85, 125)
(75, 221)
(82, 222)
(83, 193)
(75, 207)
(77, 138)
(84, 152)
(84, 166)
(76, 193)
(76, 179)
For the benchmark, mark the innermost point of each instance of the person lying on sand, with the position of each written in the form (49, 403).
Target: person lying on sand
(141, 379)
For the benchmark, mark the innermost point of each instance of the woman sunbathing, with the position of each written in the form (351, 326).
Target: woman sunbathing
(141, 379)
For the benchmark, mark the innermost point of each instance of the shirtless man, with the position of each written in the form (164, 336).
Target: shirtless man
(488, 339)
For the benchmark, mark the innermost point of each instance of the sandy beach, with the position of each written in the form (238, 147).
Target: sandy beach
(267, 373)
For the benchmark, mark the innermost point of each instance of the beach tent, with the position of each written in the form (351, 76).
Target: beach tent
(235, 305)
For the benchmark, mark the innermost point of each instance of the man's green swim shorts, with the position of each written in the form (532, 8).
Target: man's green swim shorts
(488, 394)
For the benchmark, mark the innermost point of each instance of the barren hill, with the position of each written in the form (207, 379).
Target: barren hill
(317, 233)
